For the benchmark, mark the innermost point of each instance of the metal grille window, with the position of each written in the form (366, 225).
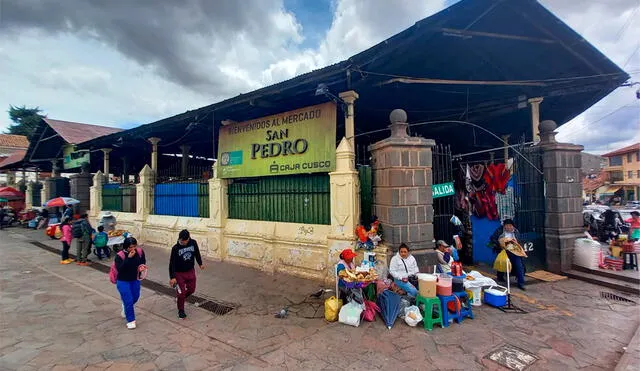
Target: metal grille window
(291, 199)
(119, 197)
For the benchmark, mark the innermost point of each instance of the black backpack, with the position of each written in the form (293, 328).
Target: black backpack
(76, 229)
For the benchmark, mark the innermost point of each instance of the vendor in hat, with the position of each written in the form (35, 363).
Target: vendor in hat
(445, 257)
(345, 262)
(506, 235)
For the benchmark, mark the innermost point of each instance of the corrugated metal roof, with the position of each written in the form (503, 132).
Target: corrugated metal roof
(622, 151)
(75, 132)
(13, 141)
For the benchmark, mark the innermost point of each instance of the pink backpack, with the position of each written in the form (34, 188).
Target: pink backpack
(113, 272)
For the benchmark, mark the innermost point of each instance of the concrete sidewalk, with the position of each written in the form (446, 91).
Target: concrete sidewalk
(567, 324)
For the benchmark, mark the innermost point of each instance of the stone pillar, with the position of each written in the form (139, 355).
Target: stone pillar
(125, 169)
(144, 193)
(185, 159)
(55, 170)
(95, 194)
(80, 186)
(535, 118)
(44, 192)
(402, 186)
(154, 153)
(349, 97)
(11, 179)
(28, 196)
(563, 196)
(105, 163)
(218, 214)
(345, 204)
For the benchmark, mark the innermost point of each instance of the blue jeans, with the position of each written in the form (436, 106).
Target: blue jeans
(129, 293)
(517, 268)
(408, 287)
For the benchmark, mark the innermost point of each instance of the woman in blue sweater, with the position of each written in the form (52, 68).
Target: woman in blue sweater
(127, 283)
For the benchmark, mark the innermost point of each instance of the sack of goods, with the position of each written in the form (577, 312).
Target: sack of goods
(586, 253)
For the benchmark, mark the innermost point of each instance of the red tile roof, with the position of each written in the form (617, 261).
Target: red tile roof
(622, 151)
(13, 141)
(590, 185)
(75, 132)
(13, 158)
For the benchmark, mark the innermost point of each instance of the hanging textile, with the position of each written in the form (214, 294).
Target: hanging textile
(496, 176)
(476, 173)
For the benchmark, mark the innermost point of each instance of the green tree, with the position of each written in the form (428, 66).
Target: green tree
(25, 120)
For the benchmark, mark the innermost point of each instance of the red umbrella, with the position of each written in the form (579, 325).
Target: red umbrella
(11, 193)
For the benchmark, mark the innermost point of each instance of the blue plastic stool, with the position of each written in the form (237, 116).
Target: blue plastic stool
(445, 309)
(465, 306)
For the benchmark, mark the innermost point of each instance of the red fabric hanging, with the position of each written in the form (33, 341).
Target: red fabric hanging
(497, 176)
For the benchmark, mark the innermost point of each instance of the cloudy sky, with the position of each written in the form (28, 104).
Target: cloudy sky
(124, 63)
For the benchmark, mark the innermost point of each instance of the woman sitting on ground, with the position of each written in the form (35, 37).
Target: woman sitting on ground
(403, 268)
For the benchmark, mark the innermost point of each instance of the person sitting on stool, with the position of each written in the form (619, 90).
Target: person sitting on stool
(501, 237)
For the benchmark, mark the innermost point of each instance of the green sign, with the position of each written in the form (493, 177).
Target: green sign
(72, 158)
(442, 190)
(295, 142)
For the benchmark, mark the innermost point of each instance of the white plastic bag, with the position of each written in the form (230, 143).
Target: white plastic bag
(412, 316)
(350, 314)
(479, 281)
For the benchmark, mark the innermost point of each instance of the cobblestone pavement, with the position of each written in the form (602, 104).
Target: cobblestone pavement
(66, 317)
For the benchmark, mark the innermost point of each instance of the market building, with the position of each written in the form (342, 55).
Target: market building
(440, 120)
(52, 151)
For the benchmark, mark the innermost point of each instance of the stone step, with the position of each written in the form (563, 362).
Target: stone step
(609, 274)
(612, 283)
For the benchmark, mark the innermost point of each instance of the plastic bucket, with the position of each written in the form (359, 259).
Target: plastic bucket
(443, 286)
(427, 285)
(475, 296)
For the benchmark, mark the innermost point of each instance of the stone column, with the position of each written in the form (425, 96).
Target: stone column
(185, 159)
(28, 196)
(80, 186)
(144, 193)
(105, 162)
(11, 179)
(218, 214)
(535, 118)
(125, 169)
(563, 196)
(44, 192)
(95, 194)
(55, 170)
(402, 186)
(154, 153)
(345, 204)
(349, 97)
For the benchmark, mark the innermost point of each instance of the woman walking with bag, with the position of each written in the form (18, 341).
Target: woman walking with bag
(128, 263)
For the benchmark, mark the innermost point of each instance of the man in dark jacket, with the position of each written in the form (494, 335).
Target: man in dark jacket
(508, 230)
(181, 268)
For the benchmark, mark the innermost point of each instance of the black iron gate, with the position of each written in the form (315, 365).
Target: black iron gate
(529, 203)
(443, 207)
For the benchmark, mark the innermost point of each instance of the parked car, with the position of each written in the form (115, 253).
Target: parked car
(632, 205)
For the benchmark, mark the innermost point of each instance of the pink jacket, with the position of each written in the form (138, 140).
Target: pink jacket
(66, 234)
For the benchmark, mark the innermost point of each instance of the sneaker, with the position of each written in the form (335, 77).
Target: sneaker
(131, 325)
(521, 287)
(64, 262)
(78, 263)
(182, 314)
(122, 312)
(71, 260)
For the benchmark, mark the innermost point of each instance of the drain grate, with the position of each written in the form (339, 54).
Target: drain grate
(211, 305)
(512, 358)
(614, 297)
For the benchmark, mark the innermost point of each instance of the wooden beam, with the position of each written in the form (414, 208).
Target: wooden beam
(415, 80)
(469, 34)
